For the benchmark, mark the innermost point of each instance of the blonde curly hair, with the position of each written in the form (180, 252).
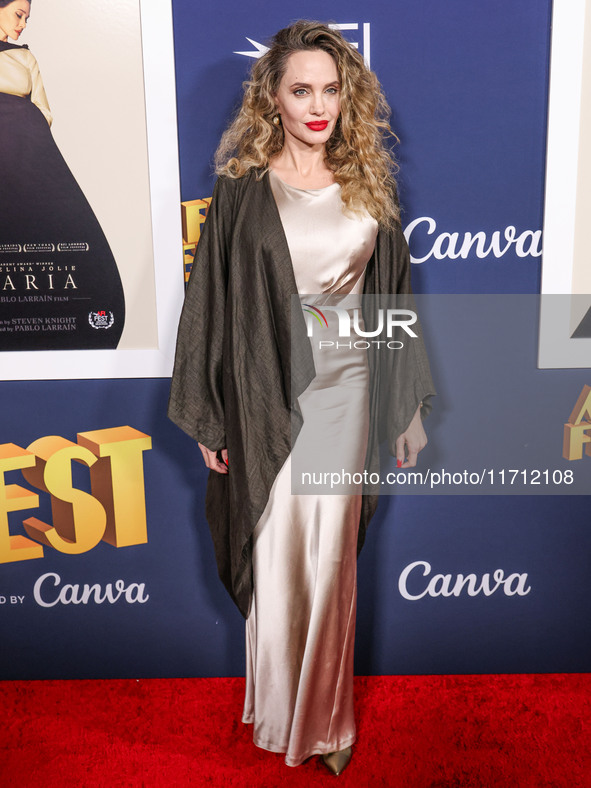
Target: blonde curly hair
(356, 152)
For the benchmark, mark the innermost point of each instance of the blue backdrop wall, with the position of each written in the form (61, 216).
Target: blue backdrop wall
(468, 86)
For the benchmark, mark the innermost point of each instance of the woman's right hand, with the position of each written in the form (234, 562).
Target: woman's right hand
(211, 459)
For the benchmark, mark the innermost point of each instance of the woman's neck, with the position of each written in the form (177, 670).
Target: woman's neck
(302, 167)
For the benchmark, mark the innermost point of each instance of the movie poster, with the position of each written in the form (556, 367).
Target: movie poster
(77, 264)
(565, 328)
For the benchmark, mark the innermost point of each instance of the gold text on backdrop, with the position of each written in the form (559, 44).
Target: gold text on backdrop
(115, 511)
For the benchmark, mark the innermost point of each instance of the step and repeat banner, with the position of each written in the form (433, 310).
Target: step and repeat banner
(479, 562)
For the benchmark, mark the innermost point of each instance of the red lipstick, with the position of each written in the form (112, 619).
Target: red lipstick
(317, 125)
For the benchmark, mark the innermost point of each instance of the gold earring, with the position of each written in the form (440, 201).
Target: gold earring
(276, 120)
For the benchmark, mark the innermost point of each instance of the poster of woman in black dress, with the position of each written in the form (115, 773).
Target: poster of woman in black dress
(60, 288)
(565, 310)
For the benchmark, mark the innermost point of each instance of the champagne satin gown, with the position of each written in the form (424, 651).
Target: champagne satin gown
(300, 632)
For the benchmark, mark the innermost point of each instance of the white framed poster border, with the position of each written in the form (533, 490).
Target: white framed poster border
(160, 101)
(556, 348)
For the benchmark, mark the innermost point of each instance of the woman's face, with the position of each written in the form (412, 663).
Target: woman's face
(308, 98)
(13, 19)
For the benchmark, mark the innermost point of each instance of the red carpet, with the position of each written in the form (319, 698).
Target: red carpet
(413, 731)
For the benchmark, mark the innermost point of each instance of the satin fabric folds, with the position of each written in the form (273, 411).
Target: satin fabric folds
(300, 633)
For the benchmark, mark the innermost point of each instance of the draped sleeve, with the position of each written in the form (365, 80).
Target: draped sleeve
(417, 385)
(402, 379)
(196, 402)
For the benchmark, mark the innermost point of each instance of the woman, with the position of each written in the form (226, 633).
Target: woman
(304, 204)
(59, 281)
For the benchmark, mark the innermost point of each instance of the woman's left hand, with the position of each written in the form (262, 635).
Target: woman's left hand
(410, 443)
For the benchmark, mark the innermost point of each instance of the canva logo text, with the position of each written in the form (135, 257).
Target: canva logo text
(454, 585)
(46, 595)
(452, 246)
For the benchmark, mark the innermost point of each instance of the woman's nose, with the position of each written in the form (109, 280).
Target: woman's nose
(317, 106)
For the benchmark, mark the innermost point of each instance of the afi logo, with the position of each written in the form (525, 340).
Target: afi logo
(577, 430)
(260, 49)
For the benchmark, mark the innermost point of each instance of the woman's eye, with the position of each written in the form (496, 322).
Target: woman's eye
(300, 92)
(331, 90)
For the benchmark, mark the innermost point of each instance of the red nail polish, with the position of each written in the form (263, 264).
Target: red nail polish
(399, 463)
